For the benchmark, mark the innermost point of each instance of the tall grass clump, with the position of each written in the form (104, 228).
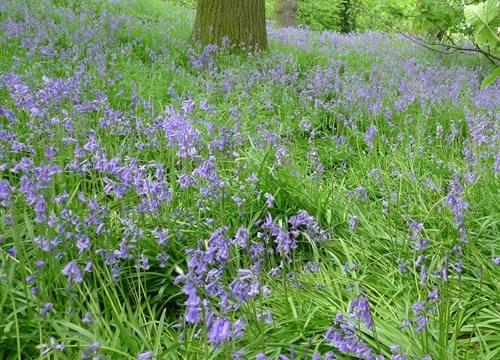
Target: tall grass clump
(334, 197)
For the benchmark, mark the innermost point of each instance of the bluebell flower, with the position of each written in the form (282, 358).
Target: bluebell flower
(220, 331)
(147, 355)
(360, 309)
(46, 309)
(5, 193)
(73, 272)
(269, 200)
(12, 251)
(370, 136)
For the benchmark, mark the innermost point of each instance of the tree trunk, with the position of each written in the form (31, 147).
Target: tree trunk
(238, 23)
(285, 12)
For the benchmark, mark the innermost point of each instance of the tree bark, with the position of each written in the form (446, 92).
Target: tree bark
(285, 12)
(237, 23)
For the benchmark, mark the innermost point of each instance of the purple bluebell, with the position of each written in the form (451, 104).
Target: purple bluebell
(46, 309)
(220, 331)
(352, 221)
(434, 295)
(73, 272)
(421, 323)
(370, 136)
(347, 342)
(87, 318)
(421, 244)
(312, 267)
(193, 309)
(93, 347)
(55, 345)
(423, 275)
(89, 266)
(419, 310)
(161, 236)
(416, 228)
(402, 265)
(5, 193)
(30, 279)
(329, 356)
(455, 200)
(143, 262)
(239, 328)
(242, 236)
(12, 251)
(147, 355)
(162, 259)
(360, 309)
(269, 200)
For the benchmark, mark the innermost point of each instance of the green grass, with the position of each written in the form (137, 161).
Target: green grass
(149, 55)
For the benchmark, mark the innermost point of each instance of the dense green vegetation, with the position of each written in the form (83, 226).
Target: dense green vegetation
(337, 195)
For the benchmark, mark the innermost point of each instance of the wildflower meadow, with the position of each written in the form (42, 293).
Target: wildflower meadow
(334, 197)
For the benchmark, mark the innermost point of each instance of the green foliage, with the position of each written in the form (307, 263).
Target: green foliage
(490, 79)
(189, 4)
(379, 15)
(348, 12)
(139, 311)
(269, 9)
(484, 19)
(319, 14)
(359, 15)
(437, 17)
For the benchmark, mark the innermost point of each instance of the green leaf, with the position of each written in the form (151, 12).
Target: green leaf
(490, 79)
(484, 18)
